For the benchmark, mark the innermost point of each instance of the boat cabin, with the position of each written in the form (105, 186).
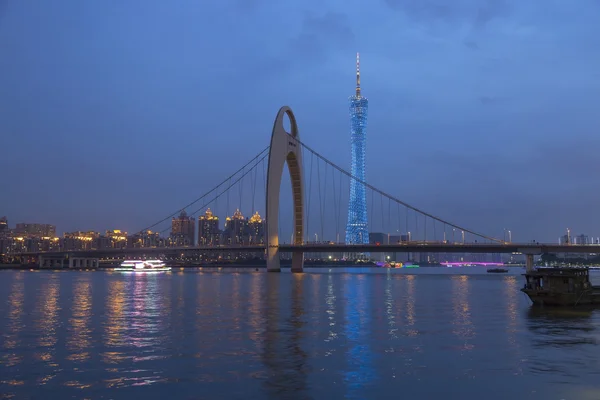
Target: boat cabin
(558, 280)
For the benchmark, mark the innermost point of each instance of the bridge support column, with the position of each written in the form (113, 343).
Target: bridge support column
(41, 261)
(285, 149)
(273, 259)
(297, 261)
(528, 262)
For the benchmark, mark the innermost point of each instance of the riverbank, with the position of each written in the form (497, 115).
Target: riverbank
(175, 267)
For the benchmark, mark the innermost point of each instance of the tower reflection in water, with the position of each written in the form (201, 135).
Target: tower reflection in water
(283, 356)
(358, 327)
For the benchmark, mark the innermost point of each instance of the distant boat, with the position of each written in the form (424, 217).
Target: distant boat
(396, 264)
(497, 270)
(144, 267)
(411, 265)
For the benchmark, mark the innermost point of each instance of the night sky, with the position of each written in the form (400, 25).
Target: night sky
(113, 114)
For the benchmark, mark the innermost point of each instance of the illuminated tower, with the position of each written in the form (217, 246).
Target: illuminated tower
(356, 229)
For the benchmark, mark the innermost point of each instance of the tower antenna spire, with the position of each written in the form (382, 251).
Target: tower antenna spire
(357, 75)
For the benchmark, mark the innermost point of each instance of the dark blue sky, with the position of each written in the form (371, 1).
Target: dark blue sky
(481, 111)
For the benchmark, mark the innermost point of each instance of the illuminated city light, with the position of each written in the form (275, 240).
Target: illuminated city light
(356, 229)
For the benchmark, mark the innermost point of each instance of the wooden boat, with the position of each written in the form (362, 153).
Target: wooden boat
(561, 287)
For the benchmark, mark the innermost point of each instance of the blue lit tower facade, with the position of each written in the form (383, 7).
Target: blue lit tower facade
(356, 229)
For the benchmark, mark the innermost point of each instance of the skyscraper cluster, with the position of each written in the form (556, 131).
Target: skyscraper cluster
(237, 230)
(34, 237)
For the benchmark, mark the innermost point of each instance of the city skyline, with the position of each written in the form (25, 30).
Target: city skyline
(484, 113)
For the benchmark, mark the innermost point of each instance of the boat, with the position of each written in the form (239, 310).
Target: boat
(411, 265)
(143, 266)
(566, 287)
(497, 270)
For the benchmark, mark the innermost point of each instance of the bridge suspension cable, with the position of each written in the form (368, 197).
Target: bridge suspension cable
(230, 185)
(398, 201)
(255, 161)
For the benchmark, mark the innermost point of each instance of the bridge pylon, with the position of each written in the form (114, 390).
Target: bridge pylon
(284, 149)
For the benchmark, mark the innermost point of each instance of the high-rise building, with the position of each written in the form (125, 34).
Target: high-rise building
(582, 239)
(256, 229)
(79, 240)
(116, 238)
(208, 229)
(236, 227)
(3, 225)
(356, 229)
(35, 230)
(183, 230)
(143, 239)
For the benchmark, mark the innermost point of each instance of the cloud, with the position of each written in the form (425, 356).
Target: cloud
(490, 100)
(471, 44)
(248, 5)
(490, 10)
(476, 13)
(319, 34)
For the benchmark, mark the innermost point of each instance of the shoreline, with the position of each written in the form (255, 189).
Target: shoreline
(35, 267)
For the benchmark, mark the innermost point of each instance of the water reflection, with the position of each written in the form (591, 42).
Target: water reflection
(14, 326)
(283, 355)
(510, 295)
(46, 323)
(462, 324)
(47, 316)
(256, 311)
(330, 301)
(360, 372)
(558, 327)
(331, 335)
(80, 333)
(145, 315)
(115, 321)
(555, 330)
(410, 306)
(236, 302)
(389, 308)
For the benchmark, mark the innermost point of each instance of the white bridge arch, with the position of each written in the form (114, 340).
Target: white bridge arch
(285, 149)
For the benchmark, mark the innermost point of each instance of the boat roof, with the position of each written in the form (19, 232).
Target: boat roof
(556, 271)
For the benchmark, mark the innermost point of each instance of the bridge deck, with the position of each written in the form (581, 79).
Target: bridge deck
(525, 248)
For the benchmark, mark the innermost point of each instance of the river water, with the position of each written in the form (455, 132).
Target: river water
(428, 333)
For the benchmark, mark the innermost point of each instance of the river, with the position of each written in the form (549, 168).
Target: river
(428, 333)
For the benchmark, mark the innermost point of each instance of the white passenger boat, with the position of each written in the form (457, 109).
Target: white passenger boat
(143, 266)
